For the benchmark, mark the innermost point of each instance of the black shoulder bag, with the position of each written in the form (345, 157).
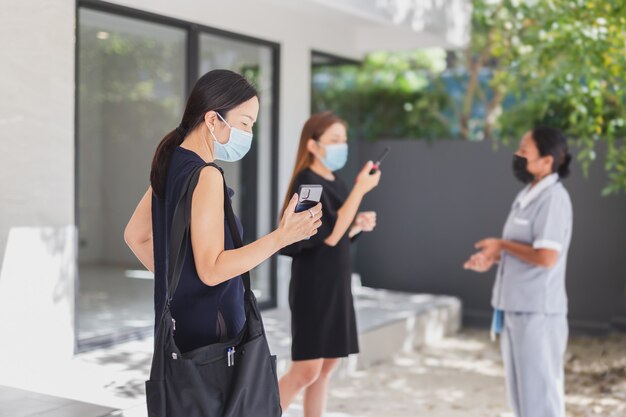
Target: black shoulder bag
(236, 378)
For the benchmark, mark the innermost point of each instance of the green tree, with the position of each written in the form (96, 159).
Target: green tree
(563, 63)
(529, 62)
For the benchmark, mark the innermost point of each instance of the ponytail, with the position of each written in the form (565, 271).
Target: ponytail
(564, 169)
(161, 160)
(552, 142)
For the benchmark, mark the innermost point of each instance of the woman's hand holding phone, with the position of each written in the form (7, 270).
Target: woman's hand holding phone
(366, 182)
(295, 227)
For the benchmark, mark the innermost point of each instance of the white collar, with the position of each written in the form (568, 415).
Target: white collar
(528, 194)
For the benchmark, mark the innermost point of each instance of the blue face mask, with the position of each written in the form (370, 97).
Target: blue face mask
(336, 156)
(238, 145)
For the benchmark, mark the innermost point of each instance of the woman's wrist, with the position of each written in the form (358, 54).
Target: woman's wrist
(354, 230)
(278, 239)
(358, 191)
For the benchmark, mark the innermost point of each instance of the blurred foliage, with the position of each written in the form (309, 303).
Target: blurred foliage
(391, 95)
(131, 87)
(530, 62)
(563, 63)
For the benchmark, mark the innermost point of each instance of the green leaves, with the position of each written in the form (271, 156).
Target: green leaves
(530, 62)
(569, 62)
(391, 95)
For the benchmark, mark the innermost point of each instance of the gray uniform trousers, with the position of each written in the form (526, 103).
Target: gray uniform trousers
(533, 349)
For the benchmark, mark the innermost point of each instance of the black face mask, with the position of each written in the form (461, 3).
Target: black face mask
(520, 169)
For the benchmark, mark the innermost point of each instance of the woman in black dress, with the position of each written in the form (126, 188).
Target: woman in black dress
(322, 311)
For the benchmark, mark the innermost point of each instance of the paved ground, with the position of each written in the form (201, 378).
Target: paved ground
(458, 376)
(463, 376)
(596, 377)
(20, 403)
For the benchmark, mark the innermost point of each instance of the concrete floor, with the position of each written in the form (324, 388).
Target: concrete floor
(115, 376)
(463, 376)
(20, 403)
(425, 374)
(459, 375)
(113, 300)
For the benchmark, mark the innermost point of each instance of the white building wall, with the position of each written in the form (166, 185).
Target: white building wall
(37, 233)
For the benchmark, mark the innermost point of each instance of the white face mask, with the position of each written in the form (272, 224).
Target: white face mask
(238, 145)
(336, 156)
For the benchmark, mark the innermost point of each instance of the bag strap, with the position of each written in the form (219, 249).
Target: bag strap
(181, 229)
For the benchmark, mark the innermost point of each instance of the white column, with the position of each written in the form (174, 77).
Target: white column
(295, 99)
(37, 232)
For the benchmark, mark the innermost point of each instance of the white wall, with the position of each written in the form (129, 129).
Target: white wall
(37, 233)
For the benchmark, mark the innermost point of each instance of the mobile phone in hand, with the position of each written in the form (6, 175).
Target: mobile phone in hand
(308, 197)
(379, 160)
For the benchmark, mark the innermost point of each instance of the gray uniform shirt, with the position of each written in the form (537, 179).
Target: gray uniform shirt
(541, 216)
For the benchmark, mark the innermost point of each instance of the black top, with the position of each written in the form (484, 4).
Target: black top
(203, 314)
(323, 321)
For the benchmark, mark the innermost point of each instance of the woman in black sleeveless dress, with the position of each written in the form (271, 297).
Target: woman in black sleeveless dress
(217, 125)
(323, 321)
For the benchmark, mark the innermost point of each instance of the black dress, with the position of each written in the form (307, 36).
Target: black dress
(323, 322)
(204, 315)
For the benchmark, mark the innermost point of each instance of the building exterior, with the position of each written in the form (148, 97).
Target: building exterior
(88, 90)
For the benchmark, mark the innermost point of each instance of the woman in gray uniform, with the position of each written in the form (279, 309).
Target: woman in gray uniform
(529, 298)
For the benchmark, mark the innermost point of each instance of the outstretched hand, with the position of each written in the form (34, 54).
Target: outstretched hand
(488, 255)
(478, 262)
(490, 247)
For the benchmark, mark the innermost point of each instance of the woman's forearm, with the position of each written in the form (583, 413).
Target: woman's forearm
(540, 257)
(345, 217)
(235, 262)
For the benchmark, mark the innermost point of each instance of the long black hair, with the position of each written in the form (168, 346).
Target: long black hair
(551, 141)
(217, 90)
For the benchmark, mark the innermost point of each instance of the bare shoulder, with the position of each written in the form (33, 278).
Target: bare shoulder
(210, 183)
(211, 174)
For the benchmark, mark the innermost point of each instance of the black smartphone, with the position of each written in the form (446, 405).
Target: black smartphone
(379, 160)
(308, 196)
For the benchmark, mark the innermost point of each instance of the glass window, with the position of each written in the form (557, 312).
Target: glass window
(131, 89)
